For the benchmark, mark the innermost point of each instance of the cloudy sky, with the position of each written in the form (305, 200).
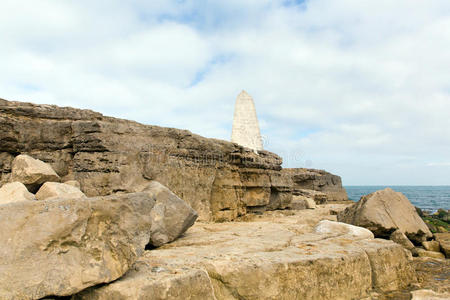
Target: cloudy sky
(360, 88)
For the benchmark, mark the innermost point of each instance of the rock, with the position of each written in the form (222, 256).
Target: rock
(170, 216)
(318, 197)
(444, 242)
(220, 180)
(32, 172)
(432, 254)
(330, 227)
(431, 246)
(276, 258)
(302, 202)
(59, 247)
(400, 238)
(14, 192)
(55, 190)
(429, 295)
(385, 211)
(156, 283)
(318, 180)
(73, 183)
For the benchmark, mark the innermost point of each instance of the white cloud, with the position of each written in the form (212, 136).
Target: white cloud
(356, 87)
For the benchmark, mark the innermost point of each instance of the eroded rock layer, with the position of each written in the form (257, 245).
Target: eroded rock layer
(219, 179)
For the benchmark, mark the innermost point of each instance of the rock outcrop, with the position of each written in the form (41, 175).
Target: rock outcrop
(317, 180)
(219, 179)
(385, 211)
(59, 247)
(273, 258)
(444, 242)
(14, 192)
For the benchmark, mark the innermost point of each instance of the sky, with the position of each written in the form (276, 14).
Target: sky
(360, 88)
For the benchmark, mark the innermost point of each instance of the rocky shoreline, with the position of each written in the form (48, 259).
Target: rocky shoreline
(93, 207)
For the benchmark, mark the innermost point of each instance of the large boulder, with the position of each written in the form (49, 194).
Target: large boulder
(171, 216)
(59, 247)
(444, 242)
(302, 202)
(400, 238)
(14, 192)
(339, 229)
(385, 211)
(55, 190)
(32, 172)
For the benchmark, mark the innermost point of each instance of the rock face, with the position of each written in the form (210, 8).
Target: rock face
(245, 124)
(14, 192)
(32, 172)
(301, 202)
(219, 179)
(400, 238)
(444, 242)
(55, 190)
(62, 246)
(385, 211)
(171, 216)
(278, 259)
(317, 180)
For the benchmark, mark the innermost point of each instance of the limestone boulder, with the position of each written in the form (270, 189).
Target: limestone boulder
(55, 190)
(400, 238)
(302, 202)
(425, 253)
(14, 192)
(73, 183)
(431, 246)
(170, 216)
(59, 247)
(337, 228)
(32, 172)
(444, 242)
(385, 211)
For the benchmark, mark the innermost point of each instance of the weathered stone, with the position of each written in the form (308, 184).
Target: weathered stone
(432, 254)
(317, 180)
(14, 192)
(385, 211)
(431, 246)
(429, 295)
(400, 238)
(60, 247)
(302, 202)
(337, 228)
(32, 172)
(73, 183)
(56, 190)
(170, 216)
(144, 282)
(444, 242)
(220, 180)
(273, 258)
(245, 130)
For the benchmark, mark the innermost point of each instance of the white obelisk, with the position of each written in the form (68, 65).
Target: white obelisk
(245, 124)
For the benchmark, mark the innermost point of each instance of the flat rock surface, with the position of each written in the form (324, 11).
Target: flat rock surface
(277, 255)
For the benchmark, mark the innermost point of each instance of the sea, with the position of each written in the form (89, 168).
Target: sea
(429, 198)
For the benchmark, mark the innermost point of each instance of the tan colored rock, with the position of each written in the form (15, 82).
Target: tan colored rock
(14, 192)
(32, 172)
(170, 216)
(385, 211)
(157, 283)
(73, 183)
(59, 247)
(431, 246)
(337, 228)
(302, 202)
(400, 238)
(444, 242)
(274, 258)
(429, 295)
(56, 190)
(432, 254)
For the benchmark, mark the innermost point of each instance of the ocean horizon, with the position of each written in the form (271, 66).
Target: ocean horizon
(426, 197)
